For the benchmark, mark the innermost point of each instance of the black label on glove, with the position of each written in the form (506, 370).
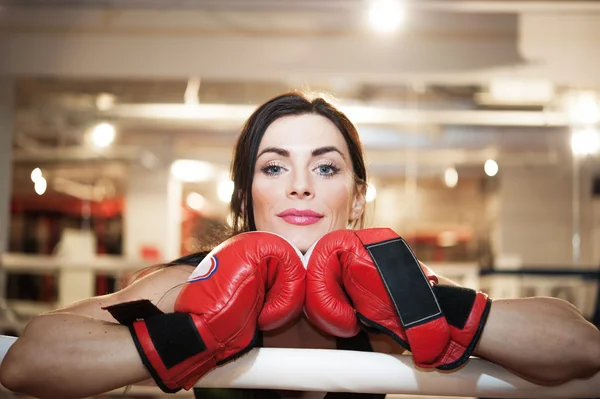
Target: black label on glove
(405, 282)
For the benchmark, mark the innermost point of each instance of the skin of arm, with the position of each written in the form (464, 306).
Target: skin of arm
(80, 351)
(543, 340)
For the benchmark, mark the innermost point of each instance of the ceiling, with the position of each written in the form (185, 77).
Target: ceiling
(424, 98)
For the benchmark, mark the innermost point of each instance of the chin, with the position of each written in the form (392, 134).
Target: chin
(301, 240)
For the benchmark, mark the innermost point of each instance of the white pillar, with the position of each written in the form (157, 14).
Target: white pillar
(152, 213)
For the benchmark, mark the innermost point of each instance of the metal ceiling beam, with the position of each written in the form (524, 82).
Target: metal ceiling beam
(80, 153)
(235, 114)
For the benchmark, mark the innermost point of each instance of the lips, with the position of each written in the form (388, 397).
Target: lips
(300, 217)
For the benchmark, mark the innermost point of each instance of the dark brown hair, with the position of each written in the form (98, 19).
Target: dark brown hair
(246, 149)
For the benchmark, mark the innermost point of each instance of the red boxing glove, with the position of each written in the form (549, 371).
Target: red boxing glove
(344, 282)
(252, 281)
(373, 275)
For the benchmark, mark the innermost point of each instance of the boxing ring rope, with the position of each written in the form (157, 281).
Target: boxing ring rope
(367, 372)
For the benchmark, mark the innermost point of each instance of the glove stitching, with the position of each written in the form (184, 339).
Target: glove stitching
(369, 293)
(248, 320)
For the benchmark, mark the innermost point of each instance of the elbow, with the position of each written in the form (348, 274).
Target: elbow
(19, 362)
(586, 352)
(12, 372)
(583, 359)
(592, 362)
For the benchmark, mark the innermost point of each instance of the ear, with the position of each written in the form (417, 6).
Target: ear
(358, 203)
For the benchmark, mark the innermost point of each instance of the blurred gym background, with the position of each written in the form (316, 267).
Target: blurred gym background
(117, 121)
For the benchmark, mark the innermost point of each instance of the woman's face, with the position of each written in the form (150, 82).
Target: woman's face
(303, 183)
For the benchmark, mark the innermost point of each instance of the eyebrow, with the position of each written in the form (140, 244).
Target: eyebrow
(315, 153)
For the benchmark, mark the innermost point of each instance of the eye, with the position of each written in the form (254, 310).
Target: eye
(328, 169)
(272, 169)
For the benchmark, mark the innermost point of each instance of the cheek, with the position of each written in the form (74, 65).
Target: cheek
(262, 198)
(338, 198)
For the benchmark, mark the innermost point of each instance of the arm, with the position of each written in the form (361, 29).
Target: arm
(544, 340)
(84, 341)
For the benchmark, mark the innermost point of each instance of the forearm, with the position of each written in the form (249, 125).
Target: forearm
(71, 356)
(544, 340)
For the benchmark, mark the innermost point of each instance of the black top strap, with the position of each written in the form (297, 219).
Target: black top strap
(189, 260)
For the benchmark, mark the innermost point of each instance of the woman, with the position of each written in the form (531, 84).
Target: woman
(298, 172)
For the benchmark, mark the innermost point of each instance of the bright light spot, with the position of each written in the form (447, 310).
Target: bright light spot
(386, 16)
(188, 170)
(230, 220)
(371, 193)
(103, 135)
(513, 90)
(585, 142)
(450, 177)
(225, 190)
(105, 101)
(490, 167)
(582, 108)
(195, 201)
(40, 186)
(36, 174)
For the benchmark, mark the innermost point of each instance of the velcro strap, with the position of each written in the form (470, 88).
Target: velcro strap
(457, 303)
(128, 312)
(405, 282)
(175, 338)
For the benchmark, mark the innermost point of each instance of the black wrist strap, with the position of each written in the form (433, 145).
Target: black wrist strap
(175, 337)
(456, 302)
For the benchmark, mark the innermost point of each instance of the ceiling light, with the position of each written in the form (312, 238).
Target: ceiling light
(36, 174)
(450, 177)
(40, 186)
(195, 201)
(105, 101)
(386, 16)
(582, 108)
(585, 141)
(225, 190)
(103, 135)
(189, 170)
(490, 167)
(520, 91)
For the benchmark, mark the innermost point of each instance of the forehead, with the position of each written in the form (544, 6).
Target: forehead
(308, 130)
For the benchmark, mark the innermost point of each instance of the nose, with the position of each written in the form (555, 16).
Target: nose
(300, 186)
